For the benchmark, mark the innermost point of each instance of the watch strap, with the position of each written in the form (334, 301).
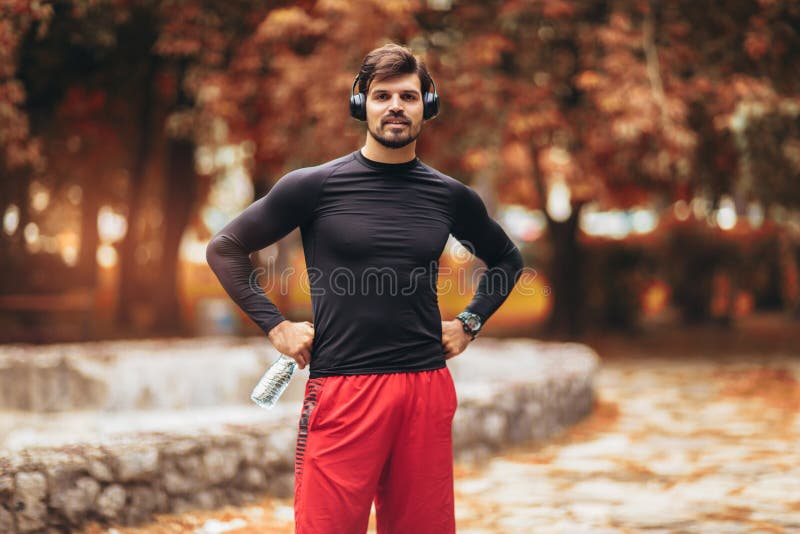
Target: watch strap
(471, 322)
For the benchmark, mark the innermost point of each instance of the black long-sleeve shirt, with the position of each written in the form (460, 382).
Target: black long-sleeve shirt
(372, 236)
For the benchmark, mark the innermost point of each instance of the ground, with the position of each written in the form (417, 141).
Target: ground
(703, 440)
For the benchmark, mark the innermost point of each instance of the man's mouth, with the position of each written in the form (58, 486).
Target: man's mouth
(395, 122)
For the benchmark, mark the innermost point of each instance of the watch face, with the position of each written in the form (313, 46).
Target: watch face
(473, 323)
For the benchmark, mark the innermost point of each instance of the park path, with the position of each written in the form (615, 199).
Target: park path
(673, 445)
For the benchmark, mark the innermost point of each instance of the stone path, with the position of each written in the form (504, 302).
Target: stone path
(672, 446)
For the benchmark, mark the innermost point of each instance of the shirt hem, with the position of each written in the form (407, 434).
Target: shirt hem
(355, 372)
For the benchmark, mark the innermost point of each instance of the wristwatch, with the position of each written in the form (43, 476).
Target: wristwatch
(472, 322)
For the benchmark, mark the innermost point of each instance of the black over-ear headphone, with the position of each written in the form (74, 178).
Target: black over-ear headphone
(358, 103)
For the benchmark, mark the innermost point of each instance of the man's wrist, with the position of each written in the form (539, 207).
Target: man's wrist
(471, 323)
(275, 329)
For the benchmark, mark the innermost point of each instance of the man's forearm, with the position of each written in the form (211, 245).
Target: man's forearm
(496, 283)
(230, 262)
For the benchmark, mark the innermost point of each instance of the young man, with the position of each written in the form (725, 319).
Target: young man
(377, 419)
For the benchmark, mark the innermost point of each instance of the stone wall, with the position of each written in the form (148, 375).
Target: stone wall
(128, 479)
(509, 392)
(130, 375)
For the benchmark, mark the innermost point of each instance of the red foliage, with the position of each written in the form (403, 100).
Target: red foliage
(615, 87)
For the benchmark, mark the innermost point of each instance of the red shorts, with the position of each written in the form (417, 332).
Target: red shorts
(381, 437)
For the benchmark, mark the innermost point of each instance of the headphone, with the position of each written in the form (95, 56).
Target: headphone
(358, 103)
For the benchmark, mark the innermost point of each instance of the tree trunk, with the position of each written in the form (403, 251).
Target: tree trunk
(130, 286)
(180, 200)
(13, 252)
(565, 274)
(89, 237)
(564, 268)
(180, 194)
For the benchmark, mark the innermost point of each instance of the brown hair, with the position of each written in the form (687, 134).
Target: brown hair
(388, 61)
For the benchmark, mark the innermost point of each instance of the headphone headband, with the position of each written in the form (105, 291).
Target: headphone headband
(358, 102)
(358, 76)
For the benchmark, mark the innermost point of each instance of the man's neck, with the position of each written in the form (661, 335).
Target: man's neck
(377, 152)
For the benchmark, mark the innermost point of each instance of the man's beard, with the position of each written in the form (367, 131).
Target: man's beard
(395, 141)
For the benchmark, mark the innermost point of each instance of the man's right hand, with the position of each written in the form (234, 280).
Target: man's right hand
(294, 340)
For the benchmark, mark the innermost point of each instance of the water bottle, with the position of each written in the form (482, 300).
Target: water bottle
(274, 382)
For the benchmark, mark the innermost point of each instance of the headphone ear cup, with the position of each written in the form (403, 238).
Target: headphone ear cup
(358, 106)
(430, 105)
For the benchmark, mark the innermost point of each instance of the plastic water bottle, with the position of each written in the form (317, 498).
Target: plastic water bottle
(274, 382)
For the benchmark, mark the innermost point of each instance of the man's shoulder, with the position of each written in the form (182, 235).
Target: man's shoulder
(331, 165)
(456, 187)
(317, 172)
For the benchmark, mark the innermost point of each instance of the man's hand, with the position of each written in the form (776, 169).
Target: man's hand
(454, 338)
(294, 340)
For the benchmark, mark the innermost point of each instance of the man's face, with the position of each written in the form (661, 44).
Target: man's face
(394, 110)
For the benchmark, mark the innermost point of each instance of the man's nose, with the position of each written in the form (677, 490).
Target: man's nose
(396, 104)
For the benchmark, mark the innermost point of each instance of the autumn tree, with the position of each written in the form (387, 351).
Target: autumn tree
(20, 153)
(610, 102)
(619, 101)
(117, 83)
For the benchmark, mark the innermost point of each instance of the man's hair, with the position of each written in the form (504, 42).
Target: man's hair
(389, 61)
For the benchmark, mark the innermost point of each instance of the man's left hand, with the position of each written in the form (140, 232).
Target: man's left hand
(454, 338)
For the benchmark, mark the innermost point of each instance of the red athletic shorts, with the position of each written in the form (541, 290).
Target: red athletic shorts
(381, 437)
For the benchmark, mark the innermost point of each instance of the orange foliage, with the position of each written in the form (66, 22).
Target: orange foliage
(549, 73)
(291, 23)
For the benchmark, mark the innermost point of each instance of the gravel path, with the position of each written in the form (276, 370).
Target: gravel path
(673, 445)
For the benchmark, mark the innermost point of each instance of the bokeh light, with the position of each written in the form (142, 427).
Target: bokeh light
(558, 201)
(111, 225)
(107, 256)
(11, 219)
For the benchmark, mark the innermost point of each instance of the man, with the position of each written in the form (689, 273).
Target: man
(377, 418)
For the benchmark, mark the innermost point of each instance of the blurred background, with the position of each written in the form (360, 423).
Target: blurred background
(645, 156)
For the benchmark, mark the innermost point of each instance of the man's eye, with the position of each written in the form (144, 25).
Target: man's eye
(381, 97)
(410, 97)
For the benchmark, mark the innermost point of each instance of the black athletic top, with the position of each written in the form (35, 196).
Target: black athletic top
(372, 236)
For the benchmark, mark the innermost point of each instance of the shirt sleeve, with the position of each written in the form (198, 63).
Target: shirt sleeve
(289, 204)
(484, 238)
